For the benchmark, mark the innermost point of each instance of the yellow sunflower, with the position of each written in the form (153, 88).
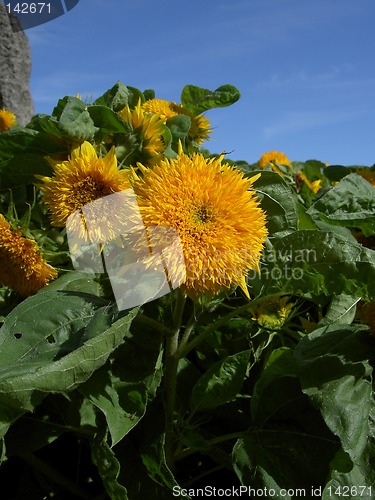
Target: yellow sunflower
(368, 174)
(7, 120)
(272, 312)
(162, 107)
(77, 182)
(272, 158)
(314, 186)
(216, 214)
(148, 129)
(22, 267)
(200, 127)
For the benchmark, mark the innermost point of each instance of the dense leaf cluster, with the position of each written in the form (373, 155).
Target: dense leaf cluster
(255, 393)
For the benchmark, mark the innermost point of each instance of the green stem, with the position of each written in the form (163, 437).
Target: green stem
(159, 327)
(184, 350)
(212, 442)
(170, 376)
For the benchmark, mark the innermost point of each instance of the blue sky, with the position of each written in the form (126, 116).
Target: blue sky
(305, 69)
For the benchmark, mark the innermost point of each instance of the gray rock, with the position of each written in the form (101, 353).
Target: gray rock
(15, 69)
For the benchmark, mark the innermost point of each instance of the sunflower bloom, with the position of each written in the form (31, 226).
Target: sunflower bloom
(162, 107)
(77, 182)
(22, 267)
(200, 127)
(273, 312)
(273, 158)
(216, 214)
(314, 186)
(7, 120)
(148, 129)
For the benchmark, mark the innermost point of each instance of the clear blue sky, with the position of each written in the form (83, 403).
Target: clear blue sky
(305, 68)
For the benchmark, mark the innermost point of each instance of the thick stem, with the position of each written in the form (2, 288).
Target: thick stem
(185, 349)
(170, 376)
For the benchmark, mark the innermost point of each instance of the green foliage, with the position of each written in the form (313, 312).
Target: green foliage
(198, 100)
(351, 203)
(272, 394)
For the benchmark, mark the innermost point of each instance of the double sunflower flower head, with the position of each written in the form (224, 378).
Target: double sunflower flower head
(210, 205)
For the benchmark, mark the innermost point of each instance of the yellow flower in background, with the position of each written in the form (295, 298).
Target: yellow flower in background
(200, 130)
(314, 186)
(7, 120)
(162, 107)
(200, 127)
(272, 158)
(149, 129)
(216, 214)
(272, 312)
(22, 267)
(368, 174)
(81, 179)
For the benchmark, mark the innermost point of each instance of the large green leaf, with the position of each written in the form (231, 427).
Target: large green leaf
(21, 170)
(277, 201)
(120, 96)
(70, 121)
(351, 480)
(336, 375)
(289, 446)
(342, 309)
(121, 391)
(276, 387)
(350, 203)
(27, 141)
(316, 262)
(107, 120)
(197, 99)
(282, 461)
(48, 344)
(221, 383)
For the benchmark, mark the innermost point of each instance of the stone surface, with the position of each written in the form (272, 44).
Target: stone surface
(15, 69)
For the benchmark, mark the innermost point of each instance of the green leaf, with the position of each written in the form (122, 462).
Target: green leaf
(275, 387)
(26, 141)
(107, 120)
(76, 281)
(122, 390)
(289, 445)
(277, 201)
(316, 262)
(197, 99)
(179, 126)
(75, 121)
(70, 121)
(21, 170)
(221, 383)
(46, 347)
(109, 468)
(342, 309)
(334, 373)
(350, 203)
(350, 480)
(120, 96)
